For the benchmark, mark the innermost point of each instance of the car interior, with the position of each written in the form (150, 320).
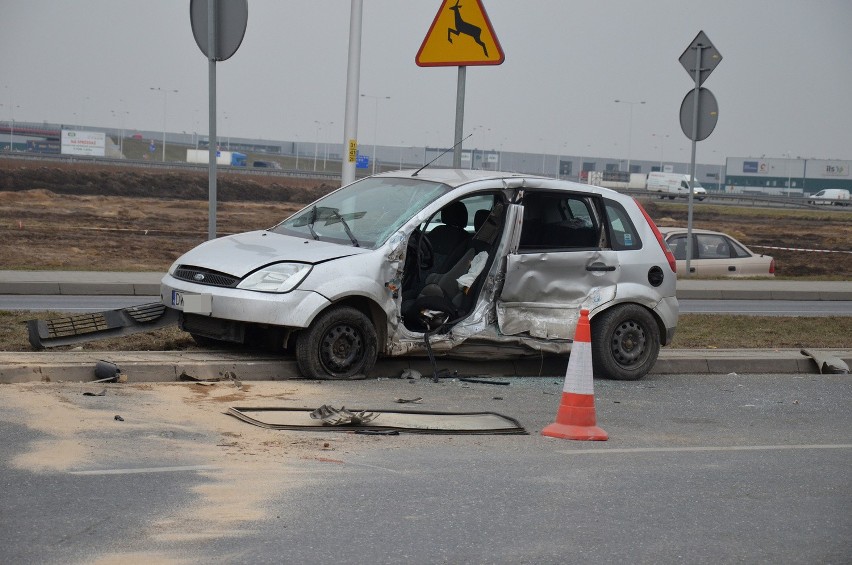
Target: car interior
(444, 264)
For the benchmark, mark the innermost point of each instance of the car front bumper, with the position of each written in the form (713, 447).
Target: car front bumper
(294, 309)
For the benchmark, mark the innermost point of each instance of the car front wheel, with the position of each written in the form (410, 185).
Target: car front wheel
(625, 342)
(341, 343)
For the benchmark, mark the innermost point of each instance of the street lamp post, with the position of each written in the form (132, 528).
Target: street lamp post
(629, 127)
(662, 139)
(165, 92)
(12, 126)
(320, 126)
(316, 143)
(375, 124)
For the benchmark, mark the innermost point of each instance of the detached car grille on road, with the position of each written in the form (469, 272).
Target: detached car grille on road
(198, 275)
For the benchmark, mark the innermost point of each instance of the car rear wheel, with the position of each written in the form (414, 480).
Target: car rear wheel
(341, 343)
(625, 342)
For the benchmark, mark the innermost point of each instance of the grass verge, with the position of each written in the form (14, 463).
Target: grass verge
(694, 331)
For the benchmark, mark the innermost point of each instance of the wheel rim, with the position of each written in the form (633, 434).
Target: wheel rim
(628, 343)
(341, 348)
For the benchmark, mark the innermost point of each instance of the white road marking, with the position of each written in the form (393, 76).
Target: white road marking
(699, 449)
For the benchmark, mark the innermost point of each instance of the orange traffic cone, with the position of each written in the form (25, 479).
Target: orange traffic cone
(576, 416)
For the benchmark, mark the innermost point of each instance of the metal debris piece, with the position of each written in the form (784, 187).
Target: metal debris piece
(826, 362)
(483, 381)
(410, 374)
(107, 372)
(332, 416)
(101, 393)
(416, 400)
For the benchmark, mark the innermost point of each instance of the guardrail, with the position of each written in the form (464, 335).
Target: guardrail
(752, 200)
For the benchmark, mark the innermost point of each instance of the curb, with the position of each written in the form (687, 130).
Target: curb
(73, 366)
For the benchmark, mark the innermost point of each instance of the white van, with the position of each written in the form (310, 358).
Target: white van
(836, 196)
(673, 185)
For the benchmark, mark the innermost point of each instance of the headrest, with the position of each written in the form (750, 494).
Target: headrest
(455, 214)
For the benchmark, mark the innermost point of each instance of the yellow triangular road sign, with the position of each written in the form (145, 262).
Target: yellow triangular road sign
(461, 35)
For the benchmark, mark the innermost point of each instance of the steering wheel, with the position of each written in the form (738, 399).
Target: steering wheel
(418, 257)
(424, 251)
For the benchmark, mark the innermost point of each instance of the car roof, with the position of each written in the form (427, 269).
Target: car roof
(459, 177)
(454, 177)
(676, 229)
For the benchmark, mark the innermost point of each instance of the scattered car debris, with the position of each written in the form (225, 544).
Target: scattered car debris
(199, 380)
(826, 362)
(378, 432)
(106, 372)
(483, 381)
(410, 374)
(101, 393)
(416, 400)
(331, 416)
(118, 418)
(99, 325)
(400, 420)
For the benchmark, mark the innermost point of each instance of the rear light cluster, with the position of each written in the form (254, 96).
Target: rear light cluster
(668, 252)
(772, 267)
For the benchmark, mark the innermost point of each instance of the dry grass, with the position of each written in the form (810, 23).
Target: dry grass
(694, 331)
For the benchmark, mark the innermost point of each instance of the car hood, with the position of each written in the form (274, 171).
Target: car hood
(240, 254)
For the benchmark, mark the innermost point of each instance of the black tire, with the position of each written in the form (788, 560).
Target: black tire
(625, 342)
(341, 343)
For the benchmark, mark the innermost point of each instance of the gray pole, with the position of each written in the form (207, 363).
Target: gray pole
(353, 78)
(212, 142)
(692, 160)
(457, 152)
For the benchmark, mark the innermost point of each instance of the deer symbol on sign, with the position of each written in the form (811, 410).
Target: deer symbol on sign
(463, 27)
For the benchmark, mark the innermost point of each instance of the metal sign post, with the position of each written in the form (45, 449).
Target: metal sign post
(699, 60)
(458, 39)
(218, 28)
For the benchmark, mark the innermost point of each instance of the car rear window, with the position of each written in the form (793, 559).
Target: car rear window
(623, 235)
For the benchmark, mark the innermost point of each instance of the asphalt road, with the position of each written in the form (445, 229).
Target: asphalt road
(730, 469)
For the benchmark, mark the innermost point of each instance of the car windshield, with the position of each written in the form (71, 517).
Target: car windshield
(364, 213)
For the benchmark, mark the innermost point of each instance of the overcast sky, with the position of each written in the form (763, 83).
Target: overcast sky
(784, 84)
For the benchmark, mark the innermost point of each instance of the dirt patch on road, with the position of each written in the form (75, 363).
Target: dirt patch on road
(80, 216)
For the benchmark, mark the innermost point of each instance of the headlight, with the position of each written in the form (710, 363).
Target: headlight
(282, 277)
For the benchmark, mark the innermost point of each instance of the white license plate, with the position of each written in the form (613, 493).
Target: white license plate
(193, 303)
(177, 298)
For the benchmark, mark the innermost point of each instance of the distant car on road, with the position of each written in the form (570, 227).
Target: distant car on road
(266, 165)
(716, 254)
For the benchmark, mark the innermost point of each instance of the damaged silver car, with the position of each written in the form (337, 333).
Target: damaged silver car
(438, 261)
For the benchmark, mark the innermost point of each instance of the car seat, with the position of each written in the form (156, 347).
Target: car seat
(450, 238)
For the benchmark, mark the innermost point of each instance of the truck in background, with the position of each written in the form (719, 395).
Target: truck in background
(231, 158)
(616, 179)
(672, 185)
(836, 196)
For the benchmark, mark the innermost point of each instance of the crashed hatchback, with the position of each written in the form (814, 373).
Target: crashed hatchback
(438, 261)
